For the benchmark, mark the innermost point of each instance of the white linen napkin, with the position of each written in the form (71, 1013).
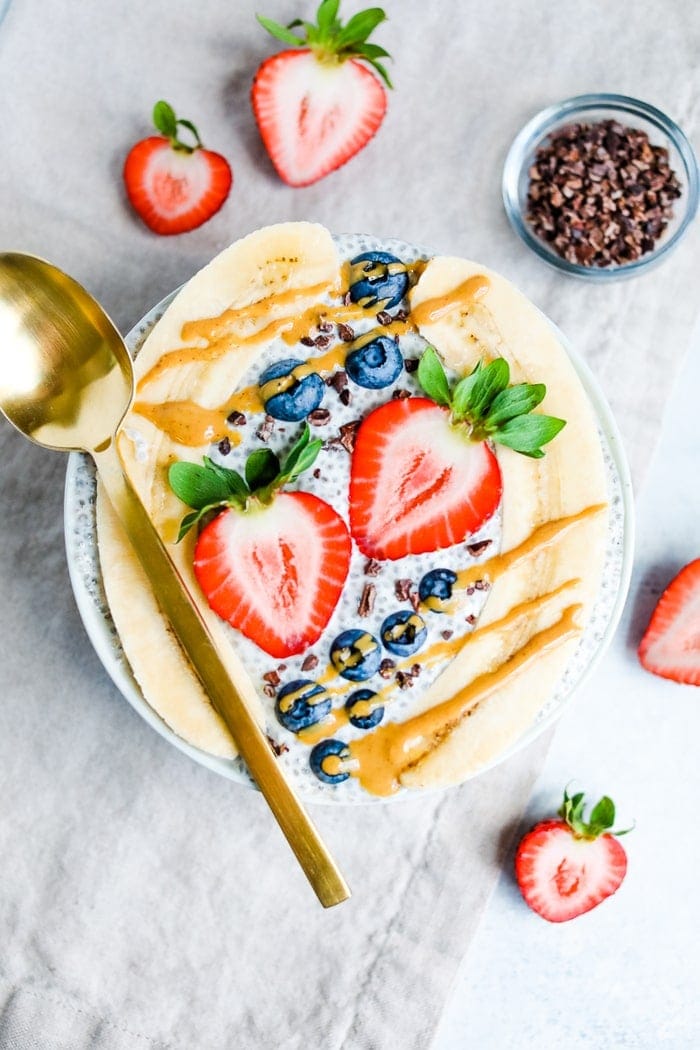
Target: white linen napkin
(143, 900)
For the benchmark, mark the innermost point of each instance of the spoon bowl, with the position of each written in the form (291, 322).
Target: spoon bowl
(66, 378)
(66, 382)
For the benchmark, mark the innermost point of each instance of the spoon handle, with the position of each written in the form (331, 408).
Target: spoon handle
(201, 648)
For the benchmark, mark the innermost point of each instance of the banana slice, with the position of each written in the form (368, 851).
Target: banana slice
(499, 321)
(274, 272)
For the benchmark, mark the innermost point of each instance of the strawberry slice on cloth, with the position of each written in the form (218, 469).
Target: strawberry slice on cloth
(175, 187)
(424, 475)
(273, 564)
(568, 866)
(671, 644)
(318, 105)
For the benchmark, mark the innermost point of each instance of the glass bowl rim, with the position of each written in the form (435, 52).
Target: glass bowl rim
(545, 121)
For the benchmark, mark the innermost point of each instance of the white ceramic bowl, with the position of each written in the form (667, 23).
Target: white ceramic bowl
(84, 569)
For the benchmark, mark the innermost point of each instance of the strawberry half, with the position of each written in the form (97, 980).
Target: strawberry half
(272, 564)
(423, 473)
(172, 186)
(671, 644)
(318, 106)
(567, 867)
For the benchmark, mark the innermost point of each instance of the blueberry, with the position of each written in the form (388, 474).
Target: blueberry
(301, 704)
(358, 712)
(378, 276)
(435, 589)
(376, 364)
(403, 632)
(355, 655)
(285, 395)
(324, 761)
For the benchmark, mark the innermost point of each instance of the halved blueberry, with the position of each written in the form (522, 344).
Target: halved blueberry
(356, 655)
(360, 711)
(325, 761)
(301, 704)
(376, 364)
(378, 276)
(286, 396)
(435, 589)
(403, 632)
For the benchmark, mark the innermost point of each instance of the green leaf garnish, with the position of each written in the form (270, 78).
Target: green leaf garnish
(262, 467)
(167, 123)
(210, 488)
(164, 119)
(488, 408)
(330, 40)
(600, 821)
(200, 487)
(280, 32)
(431, 376)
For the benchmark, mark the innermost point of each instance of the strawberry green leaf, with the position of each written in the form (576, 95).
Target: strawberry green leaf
(262, 467)
(517, 400)
(603, 814)
(236, 485)
(300, 456)
(164, 119)
(360, 27)
(327, 14)
(491, 380)
(188, 522)
(431, 376)
(527, 434)
(382, 70)
(191, 128)
(197, 486)
(279, 31)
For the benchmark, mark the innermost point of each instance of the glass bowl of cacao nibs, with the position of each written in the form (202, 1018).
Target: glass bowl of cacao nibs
(601, 186)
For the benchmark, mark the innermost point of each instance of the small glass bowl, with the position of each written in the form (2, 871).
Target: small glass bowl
(662, 131)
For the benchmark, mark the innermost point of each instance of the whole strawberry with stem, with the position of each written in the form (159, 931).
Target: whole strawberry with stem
(318, 105)
(271, 563)
(424, 475)
(568, 866)
(175, 186)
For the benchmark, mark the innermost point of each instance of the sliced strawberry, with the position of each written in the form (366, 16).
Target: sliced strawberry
(273, 564)
(314, 117)
(318, 106)
(417, 484)
(566, 867)
(276, 573)
(423, 475)
(172, 186)
(671, 644)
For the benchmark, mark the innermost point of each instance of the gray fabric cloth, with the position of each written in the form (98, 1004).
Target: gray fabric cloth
(143, 900)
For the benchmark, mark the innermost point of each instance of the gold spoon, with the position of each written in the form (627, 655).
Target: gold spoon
(66, 383)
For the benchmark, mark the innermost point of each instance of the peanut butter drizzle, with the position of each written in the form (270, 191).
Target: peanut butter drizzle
(466, 293)
(540, 539)
(212, 338)
(434, 654)
(187, 423)
(387, 752)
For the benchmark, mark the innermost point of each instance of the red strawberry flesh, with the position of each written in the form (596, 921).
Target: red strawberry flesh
(562, 876)
(275, 574)
(671, 644)
(314, 116)
(418, 484)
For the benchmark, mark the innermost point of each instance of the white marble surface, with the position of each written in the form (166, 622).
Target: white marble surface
(626, 974)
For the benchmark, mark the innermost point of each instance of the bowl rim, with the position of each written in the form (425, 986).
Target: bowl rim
(541, 124)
